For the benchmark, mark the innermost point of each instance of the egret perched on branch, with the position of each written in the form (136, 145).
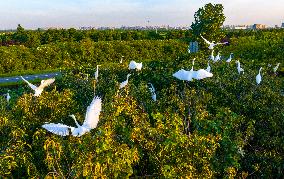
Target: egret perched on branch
(276, 68)
(239, 67)
(152, 90)
(230, 58)
(90, 122)
(192, 65)
(121, 59)
(212, 55)
(133, 65)
(208, 69)
(211, 44)
(123, 84)
(258, 77)
(217, 58)
(97, 73)
(43, 84)
(8, 97)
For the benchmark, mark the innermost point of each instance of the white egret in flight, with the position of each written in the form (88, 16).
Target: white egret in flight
(43, 84)
(211, 44)
(239, 67)
(133, 65)
(123, 84)
(97, 73)
(276, 68)
(258, 77)
(90, 122)
(152, 90)
(230, 58)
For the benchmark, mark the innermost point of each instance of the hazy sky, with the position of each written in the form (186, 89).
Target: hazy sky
(32, 14)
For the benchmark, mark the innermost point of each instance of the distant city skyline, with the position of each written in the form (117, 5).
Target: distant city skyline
(33, 14)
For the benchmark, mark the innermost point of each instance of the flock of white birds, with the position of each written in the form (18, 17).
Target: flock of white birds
(218, 58)
(94, 109)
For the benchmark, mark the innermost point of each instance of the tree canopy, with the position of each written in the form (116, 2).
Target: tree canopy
(208, 21)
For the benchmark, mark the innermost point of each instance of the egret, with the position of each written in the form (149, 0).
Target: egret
(276, 68)
(183, 75)
(90, 122)
(152, 90)
(258, 77)
(43, 84)
(97, 73)
(208, 69)
(123, 84)
(212, 55)
(217, 58)
(211, 44)
(230, 58)
(121, 59)
(133, 65)
(200, 74)
(8, 97)
(239, 67)
(192, 65)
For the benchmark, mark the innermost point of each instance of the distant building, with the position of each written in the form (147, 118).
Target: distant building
(282, 26)
(259, 26)
(86, 28)
(240, 27)
(237, 27)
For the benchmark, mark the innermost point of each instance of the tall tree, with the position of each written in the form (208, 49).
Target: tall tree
(21, 35)
(208, 22)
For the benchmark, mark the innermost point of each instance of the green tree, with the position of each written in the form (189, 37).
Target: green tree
(208, 21)
(21, 35)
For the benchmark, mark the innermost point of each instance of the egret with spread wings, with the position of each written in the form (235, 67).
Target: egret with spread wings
(43, 84)
(91, 121)
(211, 44)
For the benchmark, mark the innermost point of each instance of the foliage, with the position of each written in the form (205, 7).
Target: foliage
(225, 126)
(17, 59)
(208, 22)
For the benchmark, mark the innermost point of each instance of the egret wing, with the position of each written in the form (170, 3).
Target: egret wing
(221, 43)
(59, 129)
(93, 113)
(31, 85)
(46, 83)
(200, 74)
(132, 65)
(183, 75)
(205, 40)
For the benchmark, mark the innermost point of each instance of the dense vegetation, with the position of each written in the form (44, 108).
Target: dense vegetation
(34, 38)
(224, 126)
(85, 53)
